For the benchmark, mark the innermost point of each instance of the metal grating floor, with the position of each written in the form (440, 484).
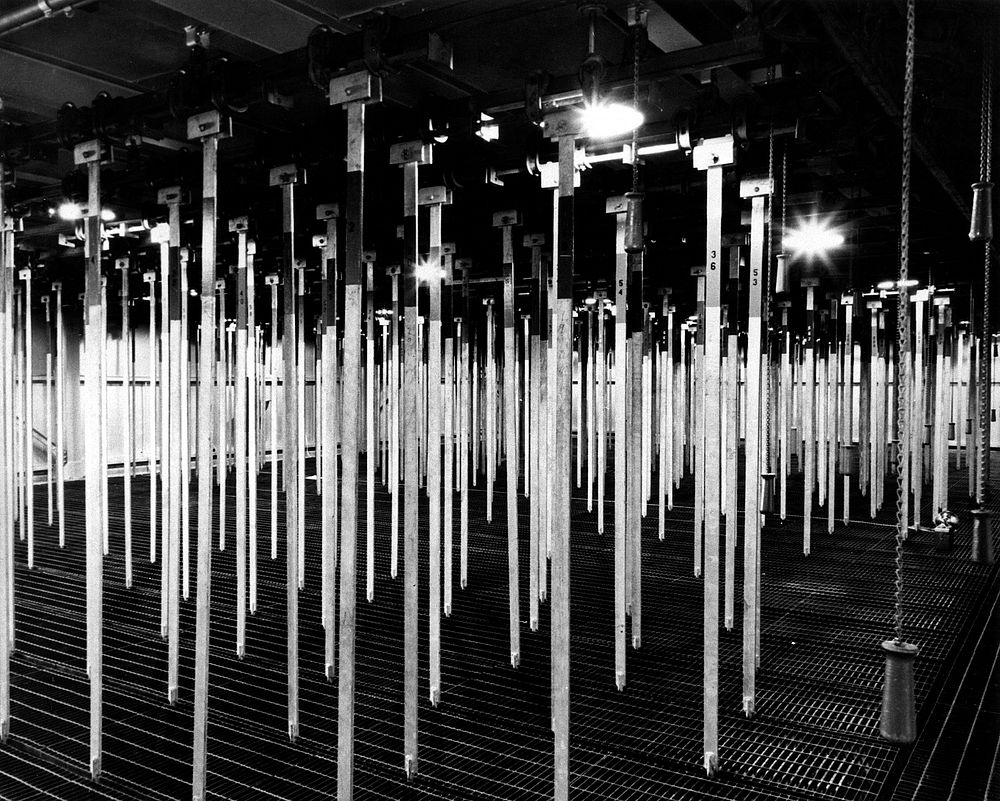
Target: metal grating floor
(819, 689)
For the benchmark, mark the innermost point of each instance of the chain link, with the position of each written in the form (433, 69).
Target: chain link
(767, 301)
(903, 314)
(636, 46)
(985, 173)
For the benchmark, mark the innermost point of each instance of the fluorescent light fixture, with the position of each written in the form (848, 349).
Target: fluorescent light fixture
(908, 282)
(590, 301)
(69, 211)
(607, 120)
(885, 284)
(652, 150)
(426, 271)
(812, 239)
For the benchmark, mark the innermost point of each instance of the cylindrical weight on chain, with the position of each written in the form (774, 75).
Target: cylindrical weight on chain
(767, 493)
(942, 537)
(633, 222)
(848, 460)
(899, 721)
(981, 225)
(982, 537)
(780, 273)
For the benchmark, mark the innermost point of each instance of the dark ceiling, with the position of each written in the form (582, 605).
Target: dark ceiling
(825, 74)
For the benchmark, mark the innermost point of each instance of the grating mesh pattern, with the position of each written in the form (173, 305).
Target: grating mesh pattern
(819, 689)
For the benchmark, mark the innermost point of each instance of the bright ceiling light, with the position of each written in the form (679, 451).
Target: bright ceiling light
(107, 215)
(607, 120)
(908, 282)
(427, 271)
(69, 211)
(812, 239)
(885, 284)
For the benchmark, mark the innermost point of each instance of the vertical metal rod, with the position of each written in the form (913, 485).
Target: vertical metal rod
(60, 370)
(185, 445)
(105, 533)
(634, 433)
(174, 464)
(491, 408)
(127, 448)
(562, 318)
(46, 300)
(833, 417)
(411, 402)
(713, 299)
(544, 426)
(588, 399)
(370, 453)
(286, 177)
(150, 278)
(210, 155)
(433, 197)
(670, 416)
(221, 448)
(449, 438)
(395, 448)
(808, 415)
(29, 421)
(354, 219)
(602, 412)
(90, 154)
(525, 383)
(621, 505)
(252, 420)
(510, 423)
(239, 225)
(732, 418)
(272, 281)
(847, 434)
(300, 420)
(463, 400)
(6, 465)
(328, 526)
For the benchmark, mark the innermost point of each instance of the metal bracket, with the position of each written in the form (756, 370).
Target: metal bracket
(239, 224)
(209, 123)
(562, 123)
(718, 152)
(87, 152)
(168, 196)
(616, 205)
(756, 187)
(434, 194)
(286, 174)
(503, 219)
(409, 152)
(354, 88)
(328, 211)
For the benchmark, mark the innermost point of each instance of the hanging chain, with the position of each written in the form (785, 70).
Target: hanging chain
(985, 174)
(784, 193)
(636, 47)
(903, 312)
(767, 301)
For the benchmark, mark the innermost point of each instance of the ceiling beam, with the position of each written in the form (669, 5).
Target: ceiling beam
(844, 39)
(34, 82)
(275, 25)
